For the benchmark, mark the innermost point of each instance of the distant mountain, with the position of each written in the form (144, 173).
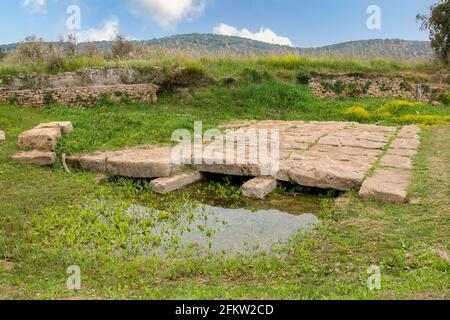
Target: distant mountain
(212, 43)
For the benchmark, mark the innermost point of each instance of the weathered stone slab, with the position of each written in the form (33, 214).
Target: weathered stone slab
(170, 184)
(387, 184)
(2, 136)
(409, 144)
(374, 128)
(339, 141)
(44, 139)
(408, 132)
(92, 162)
(259, 188)
(65, 126)
(143, 163)
(35, 157)
(396, 162)
(352, 151)
(241, 170)
(327, 174)
(402, 152)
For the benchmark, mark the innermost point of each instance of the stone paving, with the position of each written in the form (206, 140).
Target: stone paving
(376, 160)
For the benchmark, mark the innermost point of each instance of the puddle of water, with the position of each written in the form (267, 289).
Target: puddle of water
(215, 230)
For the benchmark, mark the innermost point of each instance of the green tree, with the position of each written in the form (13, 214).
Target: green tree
(438, 23)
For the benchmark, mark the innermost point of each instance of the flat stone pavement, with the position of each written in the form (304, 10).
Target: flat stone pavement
(377, 160)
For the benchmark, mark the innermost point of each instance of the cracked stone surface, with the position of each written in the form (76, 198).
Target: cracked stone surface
(330, 155)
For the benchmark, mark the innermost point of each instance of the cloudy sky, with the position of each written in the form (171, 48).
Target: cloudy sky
(300, 23)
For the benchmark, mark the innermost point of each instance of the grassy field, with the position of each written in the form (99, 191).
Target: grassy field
(224, 65)
(43, 230)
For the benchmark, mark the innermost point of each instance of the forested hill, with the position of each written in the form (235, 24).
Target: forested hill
(212, 43)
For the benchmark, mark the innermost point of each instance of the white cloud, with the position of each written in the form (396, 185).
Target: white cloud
(34, 5)
(168, 12)
(108, 32)
(264, 34)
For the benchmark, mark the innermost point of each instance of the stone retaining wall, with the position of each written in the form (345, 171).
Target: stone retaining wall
(80, 96)
(334, 86)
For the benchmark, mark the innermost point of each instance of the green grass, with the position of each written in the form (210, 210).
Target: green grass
(223, 66)
(43, 230)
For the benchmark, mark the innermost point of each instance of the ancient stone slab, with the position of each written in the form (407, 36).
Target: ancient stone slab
(143, 163)
(2, 136)
(65, 126)
(409, 144)
(170, 184)
(44, 139)
(349, 141)
(374, 128)
(396, 162)
(35, 157)
(259, 188)
(92, 162)
(327, 174)
(352, 151)
(402, 152)
(408, 132)
(387, 184)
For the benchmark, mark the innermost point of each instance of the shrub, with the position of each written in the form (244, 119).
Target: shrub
(121, 47)
(303, 77)
(353, 90)
(397, 107)
(447, 79)
(446, 97)
(405, 85)
(426, 120)
(357, 113)
(13, 99)
(48, 99)
(338, 87)
(255, 76)
(55, 64)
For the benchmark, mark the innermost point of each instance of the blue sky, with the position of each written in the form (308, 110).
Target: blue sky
(301, 23)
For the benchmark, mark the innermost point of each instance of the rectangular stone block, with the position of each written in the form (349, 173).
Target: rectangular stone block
(387, 184)
(35, 158)
(170, 184)
(143, 163)
(44, 139)
(396, 162)
(409, 144)
(259, 188)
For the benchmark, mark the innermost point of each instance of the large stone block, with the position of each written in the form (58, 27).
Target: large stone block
(408, 132)
(396, 162)
(35, 157)
(408, 144)
(143, 163)
(328, 174)
(387, 184)
(170, 184)
(259, 188)
(95, 162)
(44, 139)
